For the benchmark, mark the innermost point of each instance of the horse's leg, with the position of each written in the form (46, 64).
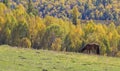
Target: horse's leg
(94, 50)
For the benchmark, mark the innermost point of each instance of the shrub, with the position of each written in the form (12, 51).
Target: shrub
(118, 54)
(56, 45)
(25, 42)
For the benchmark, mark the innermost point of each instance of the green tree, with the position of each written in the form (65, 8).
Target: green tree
(52, 32)
(75, 15)
(31, 8)
(19, 31)
(6, 2)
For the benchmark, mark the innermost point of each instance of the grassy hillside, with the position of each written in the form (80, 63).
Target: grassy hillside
(16, 59)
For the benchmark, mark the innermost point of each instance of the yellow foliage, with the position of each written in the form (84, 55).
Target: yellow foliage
(25, 42)
(118, 54)
(36, 25)
(20, 10)
(39, 23)
(2, 20)
(56, 45)
(3, 9)
(49, 20)
(75, 36)
(90, 27)
(100, 29)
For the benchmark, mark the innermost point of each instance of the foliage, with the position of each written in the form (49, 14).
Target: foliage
(89, 9)
(25, 42)
(5, 2)
(52, 32)
(73, 40)
(18, 26)
(57, 44)
(75, 15)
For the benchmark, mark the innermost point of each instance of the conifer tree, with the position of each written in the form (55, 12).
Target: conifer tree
(75, 15)
(31, 8)
(6, 2)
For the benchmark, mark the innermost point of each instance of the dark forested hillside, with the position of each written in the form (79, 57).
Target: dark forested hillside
(73, 9)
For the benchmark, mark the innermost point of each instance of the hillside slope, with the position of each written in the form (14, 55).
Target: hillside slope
(88, 9)
(17, 59)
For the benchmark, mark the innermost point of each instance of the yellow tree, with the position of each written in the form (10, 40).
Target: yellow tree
(75, 15)
(114, 38)
(89, 28)
(36, 30)
(52, 34)
(73, 40)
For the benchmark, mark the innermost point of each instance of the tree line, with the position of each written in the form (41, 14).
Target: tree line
(23, 29)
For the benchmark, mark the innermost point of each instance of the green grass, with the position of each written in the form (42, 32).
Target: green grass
(19, 59)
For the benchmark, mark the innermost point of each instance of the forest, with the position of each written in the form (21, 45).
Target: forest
(58, 24)
(68, 9)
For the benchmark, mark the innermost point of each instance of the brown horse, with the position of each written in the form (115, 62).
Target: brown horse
(91, 48)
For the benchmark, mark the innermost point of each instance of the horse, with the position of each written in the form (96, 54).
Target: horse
(91, 47)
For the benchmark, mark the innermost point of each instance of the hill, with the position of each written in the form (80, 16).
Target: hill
(21, 59)
(87, 9)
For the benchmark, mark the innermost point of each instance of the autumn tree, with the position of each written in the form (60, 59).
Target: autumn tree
(36, 30)
(31, 8)
(73, 40)
(6, 2)
(57, 44)
(52, 32)
(19, 31)
(75, 15)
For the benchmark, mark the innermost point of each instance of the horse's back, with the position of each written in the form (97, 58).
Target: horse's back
(92, 47)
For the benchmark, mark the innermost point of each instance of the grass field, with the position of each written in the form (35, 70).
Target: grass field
(19, 59)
